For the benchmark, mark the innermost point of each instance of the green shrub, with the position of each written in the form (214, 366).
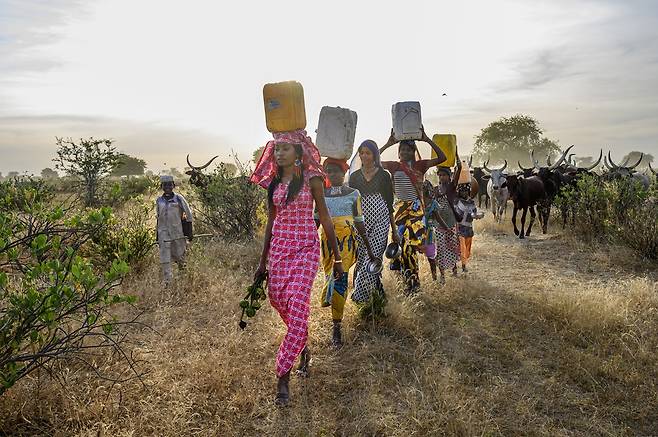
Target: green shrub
(124, 189)
(54, 304)
(22, 192)
(619, 211)
(127, 237)
(230, 205)
(589, 202)
(637, 227)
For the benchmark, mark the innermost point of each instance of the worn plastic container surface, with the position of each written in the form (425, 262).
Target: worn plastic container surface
(336, 132)
(448, 145)
(284, 106)
(407, 121)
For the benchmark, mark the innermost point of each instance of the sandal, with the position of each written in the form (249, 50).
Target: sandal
(304, 369)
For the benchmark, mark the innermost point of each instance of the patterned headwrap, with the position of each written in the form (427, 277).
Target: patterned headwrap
(338, 163)
(266, 168)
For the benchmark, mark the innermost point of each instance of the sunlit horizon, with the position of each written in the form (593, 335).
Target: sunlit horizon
(165, 79)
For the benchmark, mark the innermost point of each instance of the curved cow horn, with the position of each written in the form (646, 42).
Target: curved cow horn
(652, 170)
(611, 161)
(523, 168)
(484, 166)
(607, 164)
(559, 161)
(504, 166)
(535, 163)
(570, 160)
(637, 163)
(470, 161)
(203, 166)
(598, 161)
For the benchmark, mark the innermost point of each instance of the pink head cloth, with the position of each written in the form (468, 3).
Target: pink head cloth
(266, 168)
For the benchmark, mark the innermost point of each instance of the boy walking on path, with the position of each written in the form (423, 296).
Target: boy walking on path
(174, 227)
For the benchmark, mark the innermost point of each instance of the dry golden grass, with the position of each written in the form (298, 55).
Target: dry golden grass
(542, 337)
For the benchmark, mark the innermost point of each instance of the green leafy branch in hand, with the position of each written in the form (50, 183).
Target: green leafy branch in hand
(251, 301)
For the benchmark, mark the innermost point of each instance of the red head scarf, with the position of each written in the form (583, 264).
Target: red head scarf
(337, 162)
(266, 168)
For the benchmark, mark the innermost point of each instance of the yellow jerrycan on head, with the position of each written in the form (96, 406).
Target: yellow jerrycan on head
(284, 106)
(448, 145)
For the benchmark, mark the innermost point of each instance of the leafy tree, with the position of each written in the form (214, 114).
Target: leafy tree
(257, 154)
(632, 158)
(129, 166)
(54, 303)
(513, 138)
(90, 161)
(49, 173)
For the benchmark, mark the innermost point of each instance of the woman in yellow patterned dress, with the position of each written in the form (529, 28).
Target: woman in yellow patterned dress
(344, 206)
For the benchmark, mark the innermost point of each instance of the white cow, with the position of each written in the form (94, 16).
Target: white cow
(497, 190)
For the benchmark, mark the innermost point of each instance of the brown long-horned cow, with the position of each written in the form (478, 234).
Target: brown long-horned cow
(478, 174)
(552, 180)
(196, 175)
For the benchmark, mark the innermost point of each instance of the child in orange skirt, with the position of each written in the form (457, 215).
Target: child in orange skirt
(468, 211)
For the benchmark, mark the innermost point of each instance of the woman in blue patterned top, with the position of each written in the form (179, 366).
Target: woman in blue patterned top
(344, 205)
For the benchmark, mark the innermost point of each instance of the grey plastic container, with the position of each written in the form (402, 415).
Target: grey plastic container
(407, 121)
(336, 132)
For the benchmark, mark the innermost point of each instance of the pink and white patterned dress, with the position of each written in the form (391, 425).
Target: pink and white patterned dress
(293, 262)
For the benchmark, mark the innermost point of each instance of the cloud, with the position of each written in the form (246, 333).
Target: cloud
(586, 70)
(28, 143)
(25, 25)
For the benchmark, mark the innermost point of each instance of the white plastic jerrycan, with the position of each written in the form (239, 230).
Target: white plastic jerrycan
(336, 132)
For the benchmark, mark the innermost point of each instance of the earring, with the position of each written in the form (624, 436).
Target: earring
(298, 168)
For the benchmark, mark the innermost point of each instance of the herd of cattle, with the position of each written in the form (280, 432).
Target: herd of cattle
(538, 186)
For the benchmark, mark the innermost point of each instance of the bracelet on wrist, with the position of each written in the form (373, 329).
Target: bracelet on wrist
(340, 261)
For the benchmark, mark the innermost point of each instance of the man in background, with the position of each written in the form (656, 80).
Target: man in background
(174, 227)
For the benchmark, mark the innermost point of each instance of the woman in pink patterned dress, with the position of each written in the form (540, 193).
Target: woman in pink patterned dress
(291, 172)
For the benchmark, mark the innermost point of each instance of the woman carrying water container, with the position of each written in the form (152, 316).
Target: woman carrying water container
(408, 175)
(447, 235)
(376, 188)
(290, 170)
(344, 206)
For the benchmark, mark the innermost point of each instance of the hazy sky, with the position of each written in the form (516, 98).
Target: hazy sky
(168, 78)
